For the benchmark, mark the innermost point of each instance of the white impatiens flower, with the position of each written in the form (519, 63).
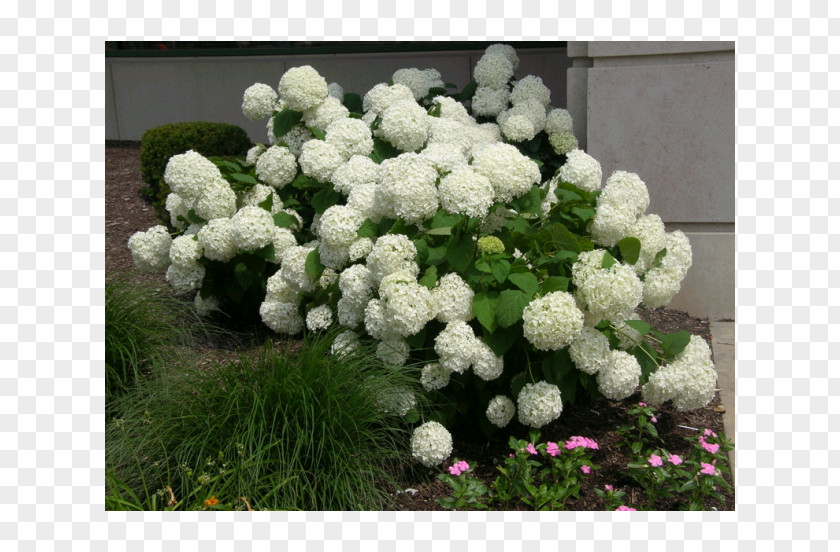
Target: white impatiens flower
(466, 192)
(381, 96)
(345, 343)
(252, 228)
(406, 189)
(416, 80)
(319, 318)
(558, 120)
(539, 404)
(405, 125)
(281, 317)
(176, 208)
(530, 88)
(582, 170)
(489, 102)
(150, 249)
(493, 71)
(431, 444)
(456, 346)
(408, 305)
(258, 101)
(619, 379)
(393, 352)
(359, 169)
(689, 381)
(552, 321)
(510, 173)
(486, 364)
(217, 200)
(351, 137)
(277, 166)
(392, 253)
(302, 88)
(188, 173)
(319, 160)
(500, 411)
(254, 154)
(452, 299)
(590, 351)
(611, 294)
(325, 113)
(216, 239)
(338, 225)
(433, 376)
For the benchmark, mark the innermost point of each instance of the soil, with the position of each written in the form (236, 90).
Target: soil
(127, 212)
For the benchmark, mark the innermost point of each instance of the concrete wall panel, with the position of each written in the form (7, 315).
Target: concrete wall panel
(709, 287)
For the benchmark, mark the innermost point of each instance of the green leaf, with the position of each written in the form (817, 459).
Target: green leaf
(640, 326)
(193, 218)
(429, 278)
(442, 219)
(531, 202)
(484, 307)
(525, 281)
(285, 120)
(511, 304)
(459, 252)
(313, 266)
(303, 182)
(630, 248)
(501, 340)
(608, 260)
(266, 252)
(325, 198)
(434, 111)
(657, 260)
(412, 416)
(267, 203)
(583, 213)
(467, 93)
(317, 133)
(674, 343)
(444, 231)
(382, 150)
(353, 102)
(554, 283)
(645, 354)
(285, 220)
(500, 269)
(436, 255)
(563, 238)
(367, 229)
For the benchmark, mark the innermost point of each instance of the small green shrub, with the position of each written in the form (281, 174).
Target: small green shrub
(287, 432)
(160, 143)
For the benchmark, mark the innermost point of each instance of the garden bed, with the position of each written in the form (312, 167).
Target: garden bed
(127, 212)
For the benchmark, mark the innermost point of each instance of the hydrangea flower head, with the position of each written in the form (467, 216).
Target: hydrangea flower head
(539, 403)
(302, 88)
(500, 411)
(431, 444)
(552, 321)
(258, 101)
(150, 249)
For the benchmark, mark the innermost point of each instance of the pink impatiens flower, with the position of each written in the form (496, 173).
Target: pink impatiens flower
(608, 487)
(653, 419)
(624, 508)
(585, 469)
(675, 460)
(530, 448)
(710, 448)
(578, 441)
(552, 449)
(458, 468)
(708, 469)
(642, 404)
(655, 460)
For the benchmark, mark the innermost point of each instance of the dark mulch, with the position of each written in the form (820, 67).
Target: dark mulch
(126, 212)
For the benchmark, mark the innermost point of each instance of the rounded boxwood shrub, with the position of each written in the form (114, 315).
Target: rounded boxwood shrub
(160, 143)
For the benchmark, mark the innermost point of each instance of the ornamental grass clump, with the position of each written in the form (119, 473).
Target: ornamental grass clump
(463, 231)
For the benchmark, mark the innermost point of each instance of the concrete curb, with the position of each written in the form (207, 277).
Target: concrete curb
(723, 347)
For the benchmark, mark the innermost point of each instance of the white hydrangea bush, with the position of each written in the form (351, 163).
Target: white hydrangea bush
(463, 233)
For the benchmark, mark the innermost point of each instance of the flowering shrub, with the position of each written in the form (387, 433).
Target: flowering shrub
(465, 232)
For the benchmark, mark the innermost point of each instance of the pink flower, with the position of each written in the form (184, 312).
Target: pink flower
(708, 469)
(463, 466)
(552, 449)
(531, 448)
(585, 469)
(708, 432)
(458, 468)
(653, 419)
(608, 487)
(578, 441)
(675, 460)
(511, 455)
(710, 448)
(642, 404)
(655, 460)
(454, 470)
(624, 508)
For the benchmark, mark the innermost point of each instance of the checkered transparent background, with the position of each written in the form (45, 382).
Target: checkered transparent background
(52, 272)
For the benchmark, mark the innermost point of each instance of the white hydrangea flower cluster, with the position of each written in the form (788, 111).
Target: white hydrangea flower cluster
(258, 101)
(624, 199)
(650, 231)
(392, 253)
(500, 411)
(336, 91)
(150, 249)
(294, 139)
(360, 248)
(417, 81)
(302, 88)
(405, 125)
(444, 157)
(590, 351)
(254, 154)
(277, 166)
(627, 336)
(176, 207)
(510, 173)
(552, 321)
(452, 109)
(493, 70)
(325, 113)
(357, 170)
(620, 377)
(185, 273)
(528, 117)
(558, 120)
(528, 88)
(408, 305)
(563, 142)
(351, 137)
(689, 381)
(582, 170)
(319, 318)
(252, 228)
(281, 317)
(539, 404)
(489, 102)
(452, 299)
(393, 351)
(405, 188)
(293, 268)
(345, 343)
(381, 96)
(663, 282)
(431, 444)
(216, 240)
(259, 193)
(319, 159)
(466, 192)
(433, 376)
(217, 200)
(188, 174)
(610, 293)
(338, 225)
(455, 345)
